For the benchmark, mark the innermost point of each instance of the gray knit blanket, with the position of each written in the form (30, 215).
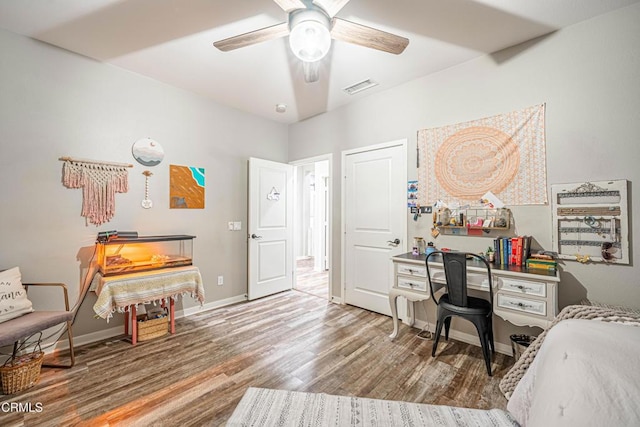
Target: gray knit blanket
(603, 313)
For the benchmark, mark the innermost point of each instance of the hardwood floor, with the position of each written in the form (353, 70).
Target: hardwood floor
(292, 340)
(310, 281)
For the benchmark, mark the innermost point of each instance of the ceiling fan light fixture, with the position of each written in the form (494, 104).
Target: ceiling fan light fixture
(309, 37)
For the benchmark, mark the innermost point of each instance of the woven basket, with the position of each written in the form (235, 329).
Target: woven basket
(154, 328)
(20, 373)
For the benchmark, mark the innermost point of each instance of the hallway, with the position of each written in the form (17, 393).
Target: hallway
(310, 281)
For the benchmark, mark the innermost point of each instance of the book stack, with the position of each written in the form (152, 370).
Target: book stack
(512, 250)
(542, 264)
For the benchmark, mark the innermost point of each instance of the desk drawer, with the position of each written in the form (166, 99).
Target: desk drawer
(526, 287)
(478, 281)
(412, 270)
(522, 304)
(409, 283)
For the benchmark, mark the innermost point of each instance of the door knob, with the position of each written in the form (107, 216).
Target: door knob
(255, 236)
(395, 242)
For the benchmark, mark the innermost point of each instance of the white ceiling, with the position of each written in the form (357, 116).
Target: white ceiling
(171, 41)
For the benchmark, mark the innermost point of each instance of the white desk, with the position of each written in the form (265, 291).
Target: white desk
(524, 297)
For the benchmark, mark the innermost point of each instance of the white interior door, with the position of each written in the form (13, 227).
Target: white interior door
(320, 217)
(325, 225)
(270, 228)
(375, 222)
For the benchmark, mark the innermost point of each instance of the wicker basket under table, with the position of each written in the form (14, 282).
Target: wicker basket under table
(20, 373)
(153, 328)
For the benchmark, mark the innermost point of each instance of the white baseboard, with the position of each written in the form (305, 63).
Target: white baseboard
(104, 334)
(63, 342)
(466, 338)
(210, 306)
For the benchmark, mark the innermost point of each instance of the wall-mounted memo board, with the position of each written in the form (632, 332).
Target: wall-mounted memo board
(590, 221)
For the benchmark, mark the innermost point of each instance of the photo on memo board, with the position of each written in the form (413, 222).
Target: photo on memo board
(412, 193)
(186, 187)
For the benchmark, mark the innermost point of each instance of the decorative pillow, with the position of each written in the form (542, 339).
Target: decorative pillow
(13, 296)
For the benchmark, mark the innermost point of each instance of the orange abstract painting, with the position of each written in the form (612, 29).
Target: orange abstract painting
(186, 187)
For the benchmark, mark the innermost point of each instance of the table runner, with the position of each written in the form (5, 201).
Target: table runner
(115, 293)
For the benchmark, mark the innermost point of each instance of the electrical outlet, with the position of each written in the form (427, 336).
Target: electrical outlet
(220, 280)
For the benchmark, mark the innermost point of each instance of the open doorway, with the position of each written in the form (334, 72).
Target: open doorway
(312, 232)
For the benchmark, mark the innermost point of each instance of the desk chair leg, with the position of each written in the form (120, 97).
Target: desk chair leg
(487, 355)
(439, 325)
(447, 326)
(491, 343)
(483, 334)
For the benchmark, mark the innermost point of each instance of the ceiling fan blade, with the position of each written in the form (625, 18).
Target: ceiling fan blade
(253, 37)
(332, 7)
(362, 35)
(290, 5)
(311, 71)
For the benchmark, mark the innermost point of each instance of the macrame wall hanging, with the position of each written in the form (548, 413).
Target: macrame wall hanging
(100, 181)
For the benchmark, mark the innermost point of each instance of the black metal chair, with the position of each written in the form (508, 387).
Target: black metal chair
(456, 302)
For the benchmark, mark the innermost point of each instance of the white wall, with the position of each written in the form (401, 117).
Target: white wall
(54, 103)
(589, 77)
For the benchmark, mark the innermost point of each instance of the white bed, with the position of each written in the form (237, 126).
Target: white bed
(587, 373)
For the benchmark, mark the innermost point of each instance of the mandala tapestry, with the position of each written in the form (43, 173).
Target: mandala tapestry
(504, 154)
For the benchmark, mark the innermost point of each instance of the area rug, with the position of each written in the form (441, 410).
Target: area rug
(266, 407)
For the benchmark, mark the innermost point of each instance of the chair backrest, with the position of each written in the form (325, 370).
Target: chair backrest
(455, 271)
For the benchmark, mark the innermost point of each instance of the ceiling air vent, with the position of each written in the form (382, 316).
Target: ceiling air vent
(359, 87)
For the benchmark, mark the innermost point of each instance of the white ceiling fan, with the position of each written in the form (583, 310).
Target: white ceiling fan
(310, 27)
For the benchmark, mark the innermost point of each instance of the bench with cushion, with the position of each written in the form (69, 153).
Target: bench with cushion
(18, 319)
